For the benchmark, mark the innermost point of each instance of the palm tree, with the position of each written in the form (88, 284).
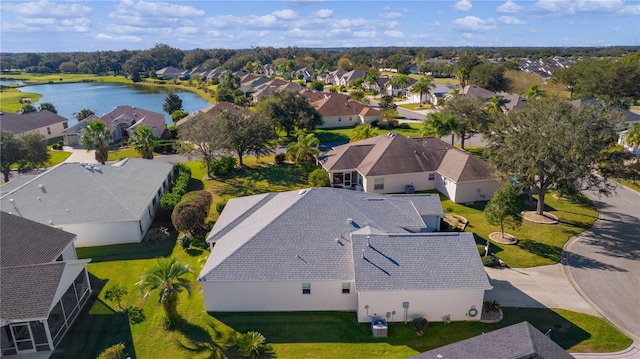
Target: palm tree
(144, 141)
(401, 80)
(533, 92)
(494, 106)
(167, 278)
(463, 76)
(632, 137)
(304, 149)
(96, 137)
(437, 125)
(362, 132)
(371, 79)
(423, 86)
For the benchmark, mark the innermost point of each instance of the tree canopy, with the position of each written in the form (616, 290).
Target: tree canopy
(632, 137)
(96, 137)
(172, 103)
(469, 116)
(28, 151)
(84, 113)
(144, 141)
(504, 208)
(289, 111)
(47, 106)
(550, 144)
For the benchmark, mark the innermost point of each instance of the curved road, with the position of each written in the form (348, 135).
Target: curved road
(604, 261)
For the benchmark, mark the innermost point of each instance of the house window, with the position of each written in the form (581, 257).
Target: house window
(346, 288)
(48, 130)
(378, 183)
(339, 119)
(140, 225)
(350, 118)
(65, 125)
(306, 288)
(432, 176)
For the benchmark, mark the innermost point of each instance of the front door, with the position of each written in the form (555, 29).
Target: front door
(22, 338)
(347, 180)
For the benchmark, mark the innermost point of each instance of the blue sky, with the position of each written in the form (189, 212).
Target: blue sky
(82, 25)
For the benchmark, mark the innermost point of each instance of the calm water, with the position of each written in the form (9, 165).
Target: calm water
(102, 98)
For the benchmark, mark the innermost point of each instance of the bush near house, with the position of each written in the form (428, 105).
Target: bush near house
(170, 199)
(190, 214)
(319, 178)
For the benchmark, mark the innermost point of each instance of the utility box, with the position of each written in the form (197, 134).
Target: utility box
(379, 328)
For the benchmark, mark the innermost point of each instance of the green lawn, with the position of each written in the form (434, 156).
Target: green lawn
(293, 334)
(10, 99)
(343, 134)
(539, 244)
(634, 185)
(57, 157)
(416, 107)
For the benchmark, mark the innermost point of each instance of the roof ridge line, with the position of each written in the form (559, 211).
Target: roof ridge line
(244, 216)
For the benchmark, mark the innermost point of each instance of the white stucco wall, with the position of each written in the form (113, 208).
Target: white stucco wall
(432, 305)
(475, 191)
(340, 121)
(105, 233)
(397, 183)
(276, 296)
(69, 253)
(72, 139)
(56, 131)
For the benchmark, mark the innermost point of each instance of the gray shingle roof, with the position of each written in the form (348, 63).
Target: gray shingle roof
(18, 124)
(434, 261)
(25, 242)
(69, 193)
(518, 341)
(300, 235)
(27, 292)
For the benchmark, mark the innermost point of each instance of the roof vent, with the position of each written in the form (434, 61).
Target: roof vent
(88, 167)
(41, 186)
(96, 169)
(302, 191)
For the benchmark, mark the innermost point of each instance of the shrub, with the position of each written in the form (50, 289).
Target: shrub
(493, 305)
(223, 165)
(252, 344)
(115, 294)
(221, 204)
(115, 351)
(280, 157)
(489, 261)
(449, 209)
(184, 241)
(190, 213)
(319, 178)
(419, 324)
(200, 241)
(404, 126)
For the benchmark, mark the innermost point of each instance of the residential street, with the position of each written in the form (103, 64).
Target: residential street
(604, 262)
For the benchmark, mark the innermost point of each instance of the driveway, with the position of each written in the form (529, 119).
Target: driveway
(604, 262)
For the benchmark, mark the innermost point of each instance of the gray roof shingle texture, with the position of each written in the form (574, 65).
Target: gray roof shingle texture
(306, 235)
(25, 242)
(396, 154)
(517, 341)
(17, 124)
(71, 193)
(27, 292)
(436, 261)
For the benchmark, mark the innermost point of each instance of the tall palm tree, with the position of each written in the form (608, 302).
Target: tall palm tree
(463, 76)
(144, 141)
(167, 277)
(401, 80)
(423, 86)
(96, 137)
(438, 125)
(494, 107)
(304, 149)
(371, 79)
(362, 132)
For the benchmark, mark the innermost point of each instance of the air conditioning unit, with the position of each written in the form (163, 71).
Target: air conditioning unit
(379, 328)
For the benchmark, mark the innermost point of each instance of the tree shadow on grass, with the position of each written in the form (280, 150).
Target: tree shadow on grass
(541, 249)
(262, 179)
(195, 185)
(197, 340)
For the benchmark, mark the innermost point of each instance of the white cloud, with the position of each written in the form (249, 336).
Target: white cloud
(598, 5)
(463, 5)
(473, 23)
(323, 13)
(300, 33)
(47, 8)
(39, 21)
(509, 7)
(156, 9)
(118, 38)
(391, 15)
(287, 14)
(365, 34)
(253, 34)
(436, 25)
(187, 30)
(394, 33)
(630, 10)
(511, 20)
(231, 21)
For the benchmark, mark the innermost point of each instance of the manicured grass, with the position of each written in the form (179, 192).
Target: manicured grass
(415, 106)
(343, 134)
(10, 99)
(634, 185)
(539, 244)
(125, 152)
(57, 157)
(55, 78)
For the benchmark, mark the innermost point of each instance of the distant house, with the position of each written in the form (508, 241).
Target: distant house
(394, 90)
(336, 110)
(100, 204)
(332, 249)
(122, 121)
(392, 163)
(171, 72)
(517, 341)
(437, 93)
(216, 107)
(348, 78)
(43, 122)
(472, 91)
(43, 288)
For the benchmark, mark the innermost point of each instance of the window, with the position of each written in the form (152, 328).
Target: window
(432, 176)
(378, 183)
(48, 131)
(339, 119)
(346, 288)
(306, 288)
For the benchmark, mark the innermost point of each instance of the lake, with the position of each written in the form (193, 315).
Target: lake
(101, 98)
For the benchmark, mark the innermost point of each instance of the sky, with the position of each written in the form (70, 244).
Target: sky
(87, 25)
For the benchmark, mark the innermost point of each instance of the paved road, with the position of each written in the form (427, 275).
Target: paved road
(604, 262)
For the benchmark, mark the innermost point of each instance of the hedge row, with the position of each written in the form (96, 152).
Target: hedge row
(171, 198)
(190, 214)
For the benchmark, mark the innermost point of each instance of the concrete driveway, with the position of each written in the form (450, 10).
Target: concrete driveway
(604, 262)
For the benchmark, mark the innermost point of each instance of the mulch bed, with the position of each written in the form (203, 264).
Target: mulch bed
(545, 218)
(507, 239)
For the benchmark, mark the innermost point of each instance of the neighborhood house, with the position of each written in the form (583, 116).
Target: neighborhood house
(333, 249)
(392, 163)
(43, 122)
(100, 204)
(44, 286)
